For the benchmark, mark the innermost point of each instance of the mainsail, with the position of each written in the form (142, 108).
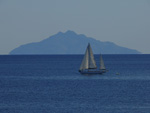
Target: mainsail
(102, 66)
(88, 61)
(85, 61)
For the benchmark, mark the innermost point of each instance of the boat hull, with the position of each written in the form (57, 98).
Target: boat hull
(92, 72)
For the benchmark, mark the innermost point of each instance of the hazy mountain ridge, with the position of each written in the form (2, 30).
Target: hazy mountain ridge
(71, 43)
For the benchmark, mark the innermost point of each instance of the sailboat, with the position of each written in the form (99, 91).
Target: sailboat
(88, 65)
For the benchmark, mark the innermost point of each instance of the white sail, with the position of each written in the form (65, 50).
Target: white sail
(85, 61)
(102, 66)
(88, 61)
(92, 64)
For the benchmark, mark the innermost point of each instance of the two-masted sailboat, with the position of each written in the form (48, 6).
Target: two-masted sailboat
(88, 65)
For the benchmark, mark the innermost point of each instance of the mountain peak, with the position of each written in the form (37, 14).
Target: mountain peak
(69, 32)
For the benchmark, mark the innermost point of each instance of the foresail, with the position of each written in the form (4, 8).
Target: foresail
(102, 66)
(92, 63)
(85, 61)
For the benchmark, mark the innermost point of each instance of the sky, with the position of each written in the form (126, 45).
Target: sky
(124, 22)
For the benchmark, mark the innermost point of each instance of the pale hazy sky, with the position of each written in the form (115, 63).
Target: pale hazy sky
(124, 22)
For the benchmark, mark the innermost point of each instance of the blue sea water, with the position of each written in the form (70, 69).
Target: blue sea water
(52, 84)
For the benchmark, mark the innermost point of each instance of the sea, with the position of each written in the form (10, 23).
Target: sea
(52, 84)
